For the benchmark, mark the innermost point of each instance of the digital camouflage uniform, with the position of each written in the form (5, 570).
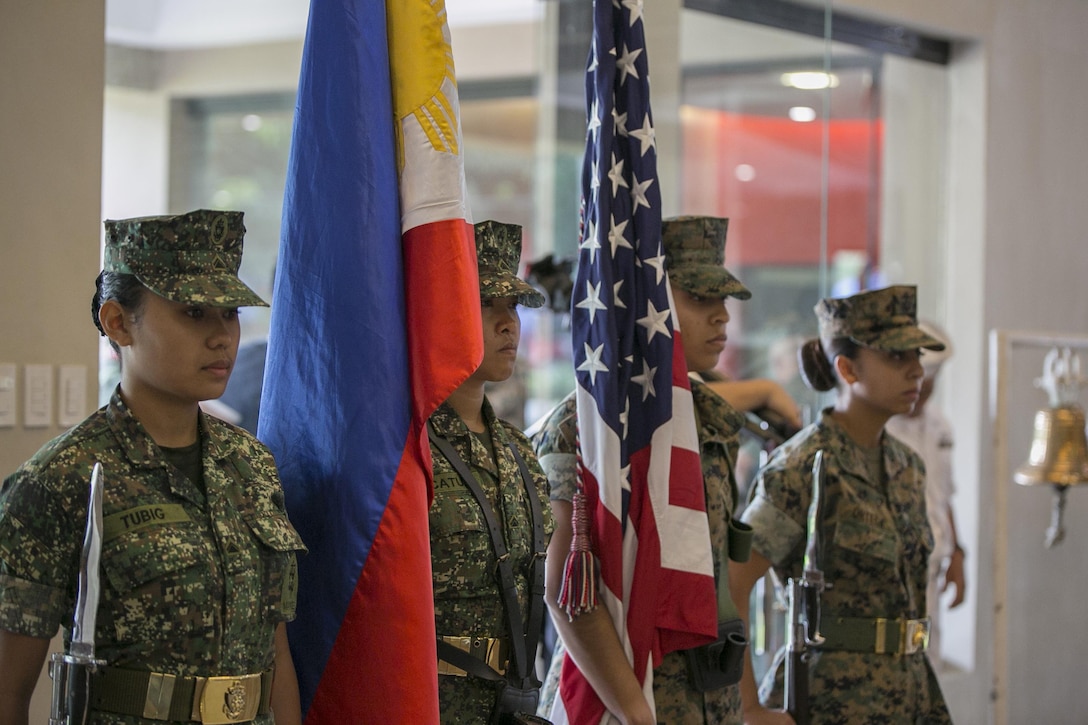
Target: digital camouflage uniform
(191, 258)
(694, 256)
(876, 556)
(195, 575)
(194, 580)
(719, 424)
(468, 601)
(876, 537)
(467, 598)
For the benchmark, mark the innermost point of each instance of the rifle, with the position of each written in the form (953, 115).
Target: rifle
(804, 605)
(71, 671)
(769, 427)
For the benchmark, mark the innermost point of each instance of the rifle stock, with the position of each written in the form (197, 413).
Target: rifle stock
(804, 605)
(796, 703)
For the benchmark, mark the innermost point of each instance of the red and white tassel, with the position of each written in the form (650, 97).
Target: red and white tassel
(578, 593)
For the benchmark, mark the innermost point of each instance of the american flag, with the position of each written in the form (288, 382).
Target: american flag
(639, 452)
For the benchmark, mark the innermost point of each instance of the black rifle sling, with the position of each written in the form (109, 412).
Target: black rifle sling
(467, 662)
(505, 570)
(535, 624)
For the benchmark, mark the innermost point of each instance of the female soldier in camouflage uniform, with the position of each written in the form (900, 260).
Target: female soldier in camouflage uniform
(471, 613)
(198, 557)
(694, 255)
(876, 539)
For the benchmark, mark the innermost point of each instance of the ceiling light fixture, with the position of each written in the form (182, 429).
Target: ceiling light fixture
(802, 114)
(810, 80)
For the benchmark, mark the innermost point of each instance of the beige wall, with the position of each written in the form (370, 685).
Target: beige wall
(50, 179)
(1036, 172)
(50, 176)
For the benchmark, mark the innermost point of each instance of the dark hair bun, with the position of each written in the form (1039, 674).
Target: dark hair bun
(814, 366)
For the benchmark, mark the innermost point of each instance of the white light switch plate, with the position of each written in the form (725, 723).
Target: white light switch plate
(38, 392)
(72, 389)
(7, 395)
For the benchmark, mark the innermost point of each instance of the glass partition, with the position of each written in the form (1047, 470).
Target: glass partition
(814, 148)
(790, 152)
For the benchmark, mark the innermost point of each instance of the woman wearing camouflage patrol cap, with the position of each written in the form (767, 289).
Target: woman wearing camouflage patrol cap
(874, 530)
(197, 574)
(689, 686)
(490, 521)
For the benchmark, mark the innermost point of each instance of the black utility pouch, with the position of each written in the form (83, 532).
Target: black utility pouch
(517, 706)
(721, 662)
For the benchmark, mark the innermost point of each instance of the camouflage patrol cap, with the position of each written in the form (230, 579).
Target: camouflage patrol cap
(191, 258)
(883, 319)
(695, 255)
(498, 251)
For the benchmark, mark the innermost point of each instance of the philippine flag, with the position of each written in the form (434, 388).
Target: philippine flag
(375, 320)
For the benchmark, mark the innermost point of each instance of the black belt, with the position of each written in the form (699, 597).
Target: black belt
(157, 696)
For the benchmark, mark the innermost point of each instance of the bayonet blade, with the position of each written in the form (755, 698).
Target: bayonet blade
(812, 578)
(86, 614)
(814, 546)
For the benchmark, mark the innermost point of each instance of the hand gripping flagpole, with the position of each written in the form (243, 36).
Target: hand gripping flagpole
(71, 671)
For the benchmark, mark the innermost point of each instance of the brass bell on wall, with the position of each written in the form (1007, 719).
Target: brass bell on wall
(1059, 447)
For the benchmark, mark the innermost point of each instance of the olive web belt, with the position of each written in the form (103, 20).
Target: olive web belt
(877, 635)
(157, 696)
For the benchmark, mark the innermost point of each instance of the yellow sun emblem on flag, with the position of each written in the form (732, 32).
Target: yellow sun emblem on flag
(421, 61)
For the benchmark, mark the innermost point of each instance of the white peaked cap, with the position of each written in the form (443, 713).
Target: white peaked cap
(933, 359)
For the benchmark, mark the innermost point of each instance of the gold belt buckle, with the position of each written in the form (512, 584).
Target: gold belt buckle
(915, 636)
(224, 700)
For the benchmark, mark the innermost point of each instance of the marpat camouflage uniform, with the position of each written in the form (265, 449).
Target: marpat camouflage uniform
(467, 597)
(194, 579)
(677, 701)
(883, 319)
(695, 254)
(876, 553)
(694, 249)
